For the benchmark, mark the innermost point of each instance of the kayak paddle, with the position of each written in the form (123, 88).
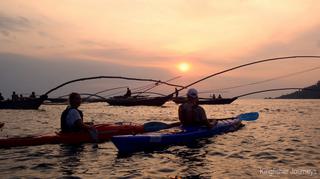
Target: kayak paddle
(251, 116)
(156, 126)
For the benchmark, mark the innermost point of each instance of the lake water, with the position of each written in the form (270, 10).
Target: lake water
(283, 142)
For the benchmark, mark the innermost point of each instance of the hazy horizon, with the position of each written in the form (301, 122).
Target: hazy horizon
(46, 43)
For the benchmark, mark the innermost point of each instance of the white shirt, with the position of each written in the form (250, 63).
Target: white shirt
(72, 116)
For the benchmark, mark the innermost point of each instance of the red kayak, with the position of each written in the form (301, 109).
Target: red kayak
(103, 133)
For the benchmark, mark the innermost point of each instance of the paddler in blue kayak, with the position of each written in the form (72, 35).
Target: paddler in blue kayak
(72, 117)
(191, 114)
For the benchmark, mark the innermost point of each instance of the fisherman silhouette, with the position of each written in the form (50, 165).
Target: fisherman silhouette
(128, 94)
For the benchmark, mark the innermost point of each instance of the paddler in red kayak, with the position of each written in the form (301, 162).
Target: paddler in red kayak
(72, 117)
(191, 114)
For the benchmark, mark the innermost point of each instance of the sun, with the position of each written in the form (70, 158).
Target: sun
(184, 67)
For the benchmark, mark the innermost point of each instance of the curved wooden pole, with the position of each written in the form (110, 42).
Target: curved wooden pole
(157, 84)
(112, 77)
(110, 89)
(160, 94)
(88, 94)
(275, 89)
(270, 79)
(247, 64)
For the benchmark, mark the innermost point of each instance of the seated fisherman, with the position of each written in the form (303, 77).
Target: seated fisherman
(128, 93)
(33, 95)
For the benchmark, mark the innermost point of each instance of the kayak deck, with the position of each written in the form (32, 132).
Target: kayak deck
(148, 142)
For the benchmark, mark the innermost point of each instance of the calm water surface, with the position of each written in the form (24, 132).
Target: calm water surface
(283, 142)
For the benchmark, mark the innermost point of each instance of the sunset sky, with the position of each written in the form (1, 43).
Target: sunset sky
(48, 42)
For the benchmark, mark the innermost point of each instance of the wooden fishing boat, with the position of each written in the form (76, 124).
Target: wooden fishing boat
(28, 103)
(138, 100)
(216, 101)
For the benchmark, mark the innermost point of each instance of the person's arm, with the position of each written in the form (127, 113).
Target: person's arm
(89, 128)
(180, 114)
(205, 119)
(79, 123)
(76, 120)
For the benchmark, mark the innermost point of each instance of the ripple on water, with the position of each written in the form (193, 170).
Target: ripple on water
(247, 140)
(310, 164)
(273, 141)
(265, 155)
(283, 161)
(214, 153)
(296, 140)
(69, 177)
(166, 170)
(295, 128)
(281, 139)
(264, 127)
(43, 166)
(20, 167)
(236, 155)
(289, 149)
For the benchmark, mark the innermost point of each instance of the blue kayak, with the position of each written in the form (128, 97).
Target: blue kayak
(154, 141)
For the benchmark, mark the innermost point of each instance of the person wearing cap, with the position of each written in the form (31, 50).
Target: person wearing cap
(190, 113)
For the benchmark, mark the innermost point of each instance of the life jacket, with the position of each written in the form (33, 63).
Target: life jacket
(195, 113)
(63, 121)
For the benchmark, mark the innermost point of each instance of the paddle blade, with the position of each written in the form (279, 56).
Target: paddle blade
(252, 116)
(154, 126)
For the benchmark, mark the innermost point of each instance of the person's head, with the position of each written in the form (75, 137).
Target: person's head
(192, 94)
(74, 100)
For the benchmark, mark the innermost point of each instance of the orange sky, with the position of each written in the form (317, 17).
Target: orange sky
(211, 35)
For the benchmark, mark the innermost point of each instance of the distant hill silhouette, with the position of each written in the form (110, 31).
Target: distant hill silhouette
(310, 92)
